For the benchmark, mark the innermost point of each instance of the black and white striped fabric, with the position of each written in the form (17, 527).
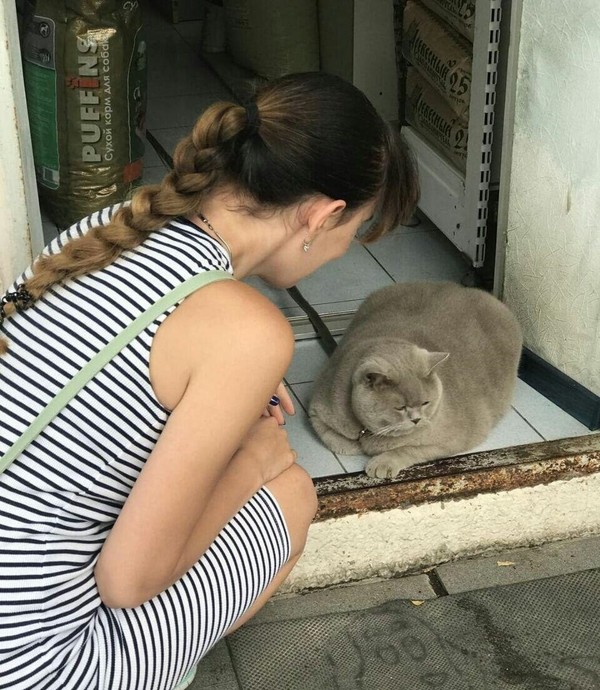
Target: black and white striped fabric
(59, 499)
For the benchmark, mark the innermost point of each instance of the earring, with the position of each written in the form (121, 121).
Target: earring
(305, 245)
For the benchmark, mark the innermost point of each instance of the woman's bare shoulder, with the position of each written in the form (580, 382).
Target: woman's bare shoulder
(223, 322)
(232, 305)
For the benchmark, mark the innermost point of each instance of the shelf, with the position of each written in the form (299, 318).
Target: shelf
(458, 203)
(442, 189)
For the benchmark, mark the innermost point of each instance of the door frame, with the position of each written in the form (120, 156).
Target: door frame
(21, 235)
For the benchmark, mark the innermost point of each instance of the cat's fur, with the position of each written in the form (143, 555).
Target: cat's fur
(427, 368)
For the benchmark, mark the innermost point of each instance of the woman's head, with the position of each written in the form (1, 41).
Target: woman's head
(306, 134)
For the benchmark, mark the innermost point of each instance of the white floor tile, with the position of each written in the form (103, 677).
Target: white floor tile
(170, 137)
(162, 39)
(512, 430)
(352, 277)
(303, 391)
(164, 81)
(178, 111)
(353, 463)
(292, 311)
(154, 175)
(346, 281)
(338, 286)
(172, 54)
(312, 454)
(151, 158)
(309, 358)
(547, 418)
(426, 255)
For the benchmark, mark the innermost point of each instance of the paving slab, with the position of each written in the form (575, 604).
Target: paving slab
(351, 597)
(520, 565)
(215, 671)
(540, 635)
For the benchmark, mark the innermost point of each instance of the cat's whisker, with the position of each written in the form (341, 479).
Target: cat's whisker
(386, 429)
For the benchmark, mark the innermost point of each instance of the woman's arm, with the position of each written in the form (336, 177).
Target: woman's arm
(235, 347)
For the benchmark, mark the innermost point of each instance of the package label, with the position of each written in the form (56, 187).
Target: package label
(39, 71)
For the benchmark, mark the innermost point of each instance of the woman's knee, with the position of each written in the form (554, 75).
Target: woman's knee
(297, 498)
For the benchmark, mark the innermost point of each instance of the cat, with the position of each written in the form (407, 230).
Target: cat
(424, 371)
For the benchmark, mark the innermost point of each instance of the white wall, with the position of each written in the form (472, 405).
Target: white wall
(552, 269)
(20, 223)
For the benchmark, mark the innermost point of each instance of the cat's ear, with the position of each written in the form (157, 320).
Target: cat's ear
(434, 359)
(370, 374)
(374, 379)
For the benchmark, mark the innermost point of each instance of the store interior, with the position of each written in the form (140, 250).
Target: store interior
(182, 82)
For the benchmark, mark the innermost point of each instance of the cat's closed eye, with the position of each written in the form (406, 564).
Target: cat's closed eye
(401, 409)
(425, 403)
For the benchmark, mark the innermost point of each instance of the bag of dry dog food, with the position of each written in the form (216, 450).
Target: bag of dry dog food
(85, 79)
(273, 38)
(429, 113)
(441, 54)
(460, 14)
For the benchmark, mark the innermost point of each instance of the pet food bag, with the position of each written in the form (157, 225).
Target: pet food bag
(441, 54)
(429, 113)
(460, 14)
(273, 37)
(84, 64)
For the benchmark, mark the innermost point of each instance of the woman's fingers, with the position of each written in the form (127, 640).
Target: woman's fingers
(275, 411)
(285, 399)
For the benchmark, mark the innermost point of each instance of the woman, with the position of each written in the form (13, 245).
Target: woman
(162, 507)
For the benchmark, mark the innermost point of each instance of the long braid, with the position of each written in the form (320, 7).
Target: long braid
(198, 167)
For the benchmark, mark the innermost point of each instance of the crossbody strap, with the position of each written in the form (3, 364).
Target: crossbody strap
(103, 357)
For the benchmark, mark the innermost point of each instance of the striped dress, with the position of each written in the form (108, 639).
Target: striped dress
(61, 496)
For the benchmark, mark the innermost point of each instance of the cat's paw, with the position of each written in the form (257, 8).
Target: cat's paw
(387, 465)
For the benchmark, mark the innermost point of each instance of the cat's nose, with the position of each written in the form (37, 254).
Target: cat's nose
(416, 420)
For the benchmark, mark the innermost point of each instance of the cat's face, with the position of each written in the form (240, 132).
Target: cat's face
(397, 393)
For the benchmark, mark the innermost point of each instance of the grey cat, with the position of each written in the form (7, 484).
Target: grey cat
(424, 371)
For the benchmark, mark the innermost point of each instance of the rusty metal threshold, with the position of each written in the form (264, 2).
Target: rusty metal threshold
(460, 477)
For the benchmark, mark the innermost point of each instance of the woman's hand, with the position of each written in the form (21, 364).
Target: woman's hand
(267, 445)
(285, 404)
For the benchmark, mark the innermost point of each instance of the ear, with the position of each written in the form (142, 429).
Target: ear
(322, 214)
(372, 373)
(376, 380)
(434, 359)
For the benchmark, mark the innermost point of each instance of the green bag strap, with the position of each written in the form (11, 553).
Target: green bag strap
(103, 357)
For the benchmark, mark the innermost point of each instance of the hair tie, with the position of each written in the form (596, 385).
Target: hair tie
(21, 298)
(252, 118)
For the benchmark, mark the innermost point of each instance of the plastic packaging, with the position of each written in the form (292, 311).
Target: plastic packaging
(441, 54)
(460, 14)
(430, 115)
(85, 79)
(273, 37)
